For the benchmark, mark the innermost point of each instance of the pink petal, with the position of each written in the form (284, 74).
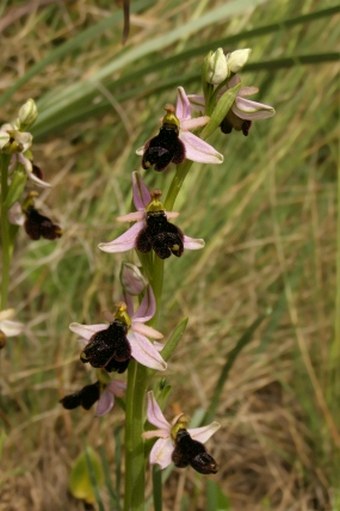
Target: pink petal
(11, 328)
(117, 387)
(248, 91)
(198, 150)
(183, 108)
(37, 181)
(87, 331)
(234, 81)
(197, 100)
(144, 352)
(146, 330)
(155, 415)
(27, 164)
(158, 345)
(15, 214)
(155, 433)
(147, 308)
(135, 216)
(161, 453)
(252, 110)
(193, 243)
(203, 434)
(197, 122)
(105, 403)
(124, 242)
(141, 194)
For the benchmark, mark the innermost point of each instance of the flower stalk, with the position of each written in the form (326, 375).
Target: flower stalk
(5, 236)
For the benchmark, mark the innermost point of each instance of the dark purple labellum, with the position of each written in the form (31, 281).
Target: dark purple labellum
(37, 171)
(86, 397)
(161, 236)
(191, 452)
(231, 121)
(39, 226)
(109, 348)
(164, 148)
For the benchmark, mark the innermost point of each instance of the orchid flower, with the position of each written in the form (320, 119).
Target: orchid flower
(242, 112)
(152, 229)
(175, 142)
(111, 346)
(18, 144)
(102, 393)
(162, 453)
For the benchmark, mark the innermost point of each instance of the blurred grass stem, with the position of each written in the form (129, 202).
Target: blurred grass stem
(5, 238)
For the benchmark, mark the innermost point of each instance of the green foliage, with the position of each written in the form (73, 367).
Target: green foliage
(86, 476)
(216, 500)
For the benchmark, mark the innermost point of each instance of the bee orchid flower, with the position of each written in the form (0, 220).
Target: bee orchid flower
(112, 346)
(102, 393)
(243, 111)
(18, 144)
(175, 142)
(170, 436)
(152, 230)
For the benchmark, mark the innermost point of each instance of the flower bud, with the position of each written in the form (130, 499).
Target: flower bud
(216, 67)
(27, 114)
(132, 280)
(237, 59)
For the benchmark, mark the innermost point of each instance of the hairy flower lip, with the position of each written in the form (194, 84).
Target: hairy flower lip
(128, 240)
(161, 452)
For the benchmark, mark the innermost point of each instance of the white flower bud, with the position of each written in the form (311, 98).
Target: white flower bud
(132, 279)
(27, 114)
(216, 67)
(237, 59)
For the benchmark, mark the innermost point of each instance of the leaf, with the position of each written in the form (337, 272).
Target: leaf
(174, 339)
(243, 341)
(86, 476)
(216, 500)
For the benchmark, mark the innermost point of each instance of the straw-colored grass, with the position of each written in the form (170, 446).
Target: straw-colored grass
(269, 218)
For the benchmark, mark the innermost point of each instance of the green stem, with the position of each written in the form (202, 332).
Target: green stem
(176, 184)
(5, 238)
(157, 488)
(134, 444)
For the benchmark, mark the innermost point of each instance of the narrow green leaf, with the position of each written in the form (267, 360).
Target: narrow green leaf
(216, 500)
(174, 339)
(220, 111)
(86, 468)
(157, 488)
(245, 339)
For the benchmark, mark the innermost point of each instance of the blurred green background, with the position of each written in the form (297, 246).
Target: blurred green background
(268, 215)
